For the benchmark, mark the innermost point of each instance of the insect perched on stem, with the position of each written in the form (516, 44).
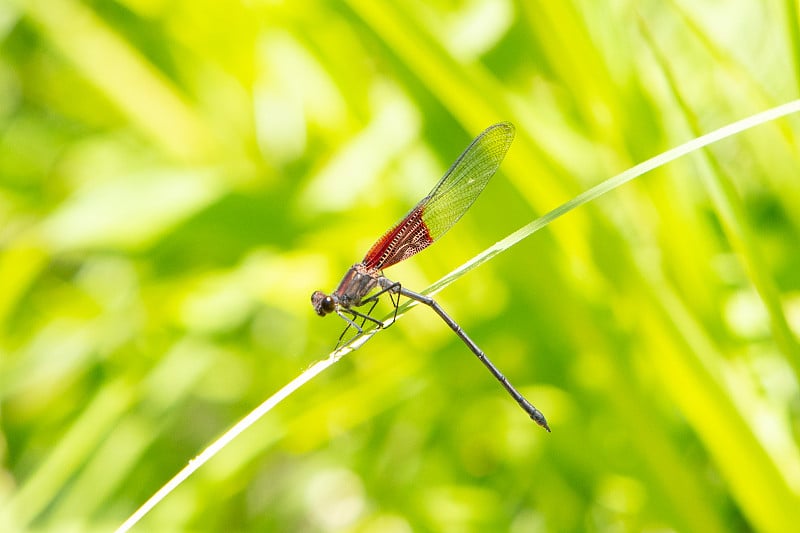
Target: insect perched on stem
(424, 224)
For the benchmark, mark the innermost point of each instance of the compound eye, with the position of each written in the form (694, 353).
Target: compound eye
(328, 305)
(323, 303)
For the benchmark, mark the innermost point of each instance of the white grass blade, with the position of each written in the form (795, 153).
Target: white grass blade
(501, 246)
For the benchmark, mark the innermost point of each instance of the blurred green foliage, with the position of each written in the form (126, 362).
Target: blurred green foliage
(177, 177)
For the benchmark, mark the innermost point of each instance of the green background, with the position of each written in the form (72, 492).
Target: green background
(177, 177)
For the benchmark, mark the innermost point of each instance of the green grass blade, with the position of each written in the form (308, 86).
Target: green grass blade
(491, 252)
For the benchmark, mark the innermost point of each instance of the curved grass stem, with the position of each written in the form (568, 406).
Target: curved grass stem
(501, 246)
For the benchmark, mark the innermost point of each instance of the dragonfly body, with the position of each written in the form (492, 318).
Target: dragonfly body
(354, 287)
(423, 225)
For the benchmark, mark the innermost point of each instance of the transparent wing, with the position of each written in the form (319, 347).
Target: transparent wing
(447, 202)
(465, 180)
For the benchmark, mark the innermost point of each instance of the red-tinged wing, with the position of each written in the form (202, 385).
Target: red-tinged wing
(447, 202)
